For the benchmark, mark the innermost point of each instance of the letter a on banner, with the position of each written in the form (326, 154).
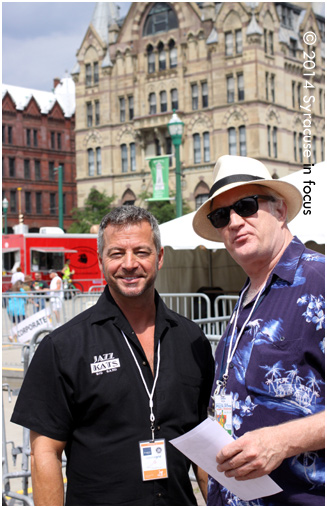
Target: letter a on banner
(160, 176)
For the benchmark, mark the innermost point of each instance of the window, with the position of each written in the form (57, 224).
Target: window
(293, 47)
(45, 261)
(124, 158)
(322, 149)
(242, 140)
(268, 41)
(206, 147)
(28, 203)
(132, 156)
(3, 133)
(122, 111)
(38, 201)
(169, 149)
(158, 147)
(88, 74)
(89, 114)
(274, 134)
(163, 101)
(27, 173)
(97, 112)
(240, 87)
(314, 150)
(230, 89)
(12, 171)
(174, 98)
(96, 73)
(228, 43)
(293, 94)
(204, 93)
(152, 104)
(272, 87)
(58, 140)
(161, 18)
(13, 201)
(53, 140)
(98, 159)
(52, 203)
(37, 170)
(172, 54)
(294, 146)
(269, 139)
(232, 147)
(151, 60)
(51, 171)
(162, 57)
(131, 107)
(200, 199)
(9, 141)
(267, 85)
(90, 156)
(238, 42)
(301, 147)
(195, 98)
(299, 87)
(28, 137)
(197, 148)
(35, 137)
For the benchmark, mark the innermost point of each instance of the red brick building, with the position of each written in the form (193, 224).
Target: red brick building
(38, 136)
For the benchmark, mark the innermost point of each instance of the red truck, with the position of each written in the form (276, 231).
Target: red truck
(35, 252)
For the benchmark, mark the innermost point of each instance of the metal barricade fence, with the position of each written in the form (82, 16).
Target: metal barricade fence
(223, 307)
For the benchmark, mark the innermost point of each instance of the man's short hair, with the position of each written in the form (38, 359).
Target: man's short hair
(126, 215)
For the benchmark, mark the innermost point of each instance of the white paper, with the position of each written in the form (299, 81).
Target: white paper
(201, 446)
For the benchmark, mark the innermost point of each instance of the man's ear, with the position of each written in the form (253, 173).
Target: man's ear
(281, 210)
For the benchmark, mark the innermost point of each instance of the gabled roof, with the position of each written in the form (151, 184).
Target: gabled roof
(64, 93)
(104, 15)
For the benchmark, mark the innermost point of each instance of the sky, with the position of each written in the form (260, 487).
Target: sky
(40, 40)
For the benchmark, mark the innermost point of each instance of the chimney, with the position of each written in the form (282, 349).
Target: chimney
(56, 82)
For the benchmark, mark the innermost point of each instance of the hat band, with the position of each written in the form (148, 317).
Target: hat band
(232, 179)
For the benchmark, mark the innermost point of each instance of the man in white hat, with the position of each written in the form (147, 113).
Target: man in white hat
(269, 386)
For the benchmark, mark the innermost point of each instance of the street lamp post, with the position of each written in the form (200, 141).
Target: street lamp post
(5, 210)
(175, 128)
(60, 197)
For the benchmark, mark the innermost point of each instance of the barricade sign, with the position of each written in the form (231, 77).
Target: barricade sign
(27, 328)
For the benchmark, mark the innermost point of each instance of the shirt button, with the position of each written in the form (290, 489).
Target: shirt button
(144, 363)
(158, 428)
(159, 494)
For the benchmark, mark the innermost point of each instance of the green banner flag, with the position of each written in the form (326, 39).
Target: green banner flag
(160, 176)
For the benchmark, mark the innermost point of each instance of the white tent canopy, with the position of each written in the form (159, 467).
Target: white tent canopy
(191, 263)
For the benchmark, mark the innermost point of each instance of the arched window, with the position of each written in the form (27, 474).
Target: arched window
(152, 104)
(90, 155)
(161, 18)
(163, 101)
(174, 98)
(151, 59)
(172, 54)
(124, 159)
(162, 57)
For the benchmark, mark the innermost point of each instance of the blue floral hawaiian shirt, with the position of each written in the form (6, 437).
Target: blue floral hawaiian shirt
(277, 372)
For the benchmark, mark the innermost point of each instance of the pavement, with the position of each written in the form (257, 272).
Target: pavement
(12, 376)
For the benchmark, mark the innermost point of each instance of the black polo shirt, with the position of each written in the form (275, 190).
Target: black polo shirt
(83, 387)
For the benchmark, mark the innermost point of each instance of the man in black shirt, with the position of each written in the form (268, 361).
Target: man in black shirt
(114, 385)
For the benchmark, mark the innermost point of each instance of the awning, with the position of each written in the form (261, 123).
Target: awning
(54, 249)
(10, 249)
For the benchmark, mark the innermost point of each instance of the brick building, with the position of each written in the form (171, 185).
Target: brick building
(234, 71)
(38, 136)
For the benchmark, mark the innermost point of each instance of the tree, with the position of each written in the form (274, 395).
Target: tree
(96, 206)
(162, 210)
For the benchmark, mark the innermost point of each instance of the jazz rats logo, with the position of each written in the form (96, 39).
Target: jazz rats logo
(104, 363)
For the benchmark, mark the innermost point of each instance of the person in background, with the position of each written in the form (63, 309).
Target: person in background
(18, 275)
(56, 294)
(270, 361)
(67, 274)
(115, 384)
(40, 288)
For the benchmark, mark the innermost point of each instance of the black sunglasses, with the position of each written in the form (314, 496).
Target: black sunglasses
(245, 207)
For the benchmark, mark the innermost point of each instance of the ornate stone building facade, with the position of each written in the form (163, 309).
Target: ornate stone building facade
(233, 71)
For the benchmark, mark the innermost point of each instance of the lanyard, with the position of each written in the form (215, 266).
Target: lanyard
(150, 395)
(221, 383)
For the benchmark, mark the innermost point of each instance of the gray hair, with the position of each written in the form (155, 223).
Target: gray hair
(126, 215)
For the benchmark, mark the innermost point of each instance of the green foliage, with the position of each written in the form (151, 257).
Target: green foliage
(96, 206)
(162, 210)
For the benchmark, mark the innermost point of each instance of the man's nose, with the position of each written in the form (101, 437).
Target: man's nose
(129, 261)
(235, 220)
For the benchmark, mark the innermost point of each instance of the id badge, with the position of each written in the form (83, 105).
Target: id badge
(224, 411)
(153, 460)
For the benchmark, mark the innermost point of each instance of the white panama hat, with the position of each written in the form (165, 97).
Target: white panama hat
(233, 171)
